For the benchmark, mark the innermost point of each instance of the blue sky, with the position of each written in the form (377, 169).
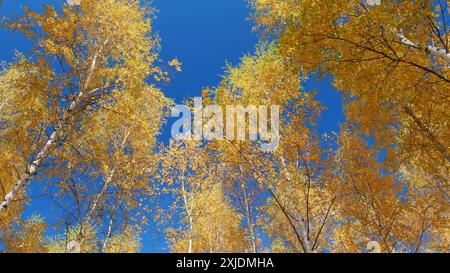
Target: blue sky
(203, 35)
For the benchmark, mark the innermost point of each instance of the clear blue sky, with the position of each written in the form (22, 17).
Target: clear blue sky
(203, 35)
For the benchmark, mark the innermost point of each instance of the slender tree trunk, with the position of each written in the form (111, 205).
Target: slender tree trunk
(32, 169)
(432, 50)
(105, 186)
(257, 176)
(305, 229)
(188, 208)
(249, 220)
(108, 234)
(248, 213)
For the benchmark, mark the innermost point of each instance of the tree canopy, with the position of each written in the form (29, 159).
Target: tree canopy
(81, 113)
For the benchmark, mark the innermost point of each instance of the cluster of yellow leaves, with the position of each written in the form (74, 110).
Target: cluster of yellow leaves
(27, 237)
(127, 241)
(211, 234)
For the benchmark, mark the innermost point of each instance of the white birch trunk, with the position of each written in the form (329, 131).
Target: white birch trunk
(33, 167)
(248, 214)
(249, 219)
(189, 213)
(306, 240)
(432, 50)
(108, 234)
(106, 184)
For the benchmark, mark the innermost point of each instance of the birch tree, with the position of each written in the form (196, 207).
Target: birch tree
(298, 212)
(324, 198)
(27, 236)
(390, 61)
(82, 64)
(83, 110)
(195, 179)
(382, 58)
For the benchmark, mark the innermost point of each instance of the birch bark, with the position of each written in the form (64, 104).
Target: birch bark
(432, 50)
(32, 169)
(188, 208)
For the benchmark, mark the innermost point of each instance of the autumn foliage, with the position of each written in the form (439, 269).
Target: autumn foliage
(80, 116)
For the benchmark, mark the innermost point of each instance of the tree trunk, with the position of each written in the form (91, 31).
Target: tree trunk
(433, 50)
(189, 213)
